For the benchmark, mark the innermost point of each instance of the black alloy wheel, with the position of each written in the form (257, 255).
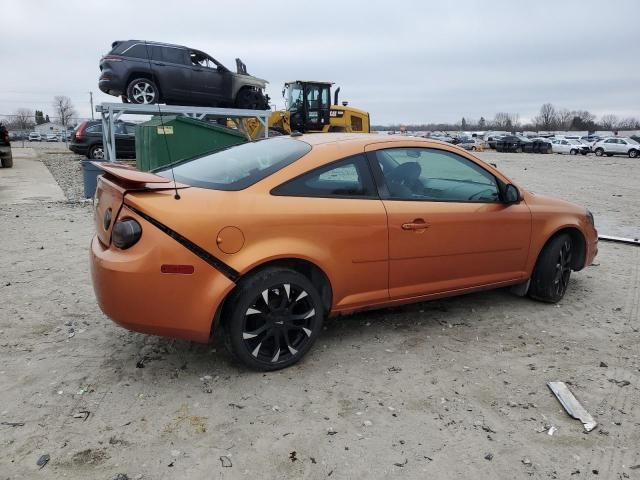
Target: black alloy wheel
(275, 319)
(552, 272)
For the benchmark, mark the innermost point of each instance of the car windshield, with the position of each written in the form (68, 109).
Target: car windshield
(632, 141)
(238, 167)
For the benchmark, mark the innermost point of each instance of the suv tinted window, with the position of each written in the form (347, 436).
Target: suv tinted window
(97, 128)
(346, 178)
(173, 55)
(139, 51)
(437, 175)
(238, 167)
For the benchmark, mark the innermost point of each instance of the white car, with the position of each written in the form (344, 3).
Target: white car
(35, 137)
(570, 146)
(617, 146)
(51, 137)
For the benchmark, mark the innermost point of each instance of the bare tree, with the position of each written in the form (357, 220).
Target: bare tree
(64, 109)
(564, 118)
(23, 120)
(629, 123)
(609, 122)
(506, 120)
(547, 119)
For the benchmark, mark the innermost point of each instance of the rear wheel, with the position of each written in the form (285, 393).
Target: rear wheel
(96, 152)
(552, 272)
(273, 319)
(473, 149)
(143, 91)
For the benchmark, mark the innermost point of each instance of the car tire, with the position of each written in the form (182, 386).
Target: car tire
(143, 91)
(573, 151)
(633, 153)
(7, 162)
(599, 152)
(552, 272)
(265, 312)
(251, 99)
(473, 149)
(518, 149)
(96, 152)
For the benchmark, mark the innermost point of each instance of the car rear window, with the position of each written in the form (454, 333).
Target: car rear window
(238, 167)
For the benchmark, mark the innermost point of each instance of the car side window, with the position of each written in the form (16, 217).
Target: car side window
(173, 55)
(345, 178)
(435, 175)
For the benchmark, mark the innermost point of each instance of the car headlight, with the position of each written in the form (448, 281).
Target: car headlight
(590, 218)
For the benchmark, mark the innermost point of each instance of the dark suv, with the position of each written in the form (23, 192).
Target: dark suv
(6, 157)
(151, 72)
(87, 140)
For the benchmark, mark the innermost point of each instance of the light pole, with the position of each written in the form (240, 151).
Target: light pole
(91, 101)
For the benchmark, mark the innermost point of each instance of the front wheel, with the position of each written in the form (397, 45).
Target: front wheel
(573, 151)
(7, 162)
(599, 152)
(552, 272)
(251, 99)
(633, 153)
(142, 91)
(273, 319)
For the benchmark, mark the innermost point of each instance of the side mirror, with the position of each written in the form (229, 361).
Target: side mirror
(511, 194)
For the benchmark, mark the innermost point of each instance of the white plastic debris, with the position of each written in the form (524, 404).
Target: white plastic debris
(572, 405)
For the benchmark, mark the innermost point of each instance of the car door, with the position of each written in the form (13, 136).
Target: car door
(339, 203)
(622, 146)
(172, 73)
(207, 81)
(448, 228)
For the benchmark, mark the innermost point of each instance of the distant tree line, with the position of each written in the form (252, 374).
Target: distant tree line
(548, 119)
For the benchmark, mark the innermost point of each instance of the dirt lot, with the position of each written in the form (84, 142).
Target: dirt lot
(446, 389)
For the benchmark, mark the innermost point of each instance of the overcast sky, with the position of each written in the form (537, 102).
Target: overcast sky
(404, 62)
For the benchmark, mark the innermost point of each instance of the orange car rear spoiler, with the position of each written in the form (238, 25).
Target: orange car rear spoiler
(129, 174)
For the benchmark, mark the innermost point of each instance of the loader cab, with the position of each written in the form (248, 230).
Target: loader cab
(309, 104)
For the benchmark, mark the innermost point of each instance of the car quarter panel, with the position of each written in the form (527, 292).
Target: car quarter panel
(183, 306)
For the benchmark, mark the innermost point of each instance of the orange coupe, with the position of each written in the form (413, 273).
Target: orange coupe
(262, 241)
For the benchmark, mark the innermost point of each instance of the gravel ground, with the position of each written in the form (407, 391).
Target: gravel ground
(452, 388)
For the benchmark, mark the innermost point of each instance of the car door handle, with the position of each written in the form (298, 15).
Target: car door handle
(160, 64)
(417, 224)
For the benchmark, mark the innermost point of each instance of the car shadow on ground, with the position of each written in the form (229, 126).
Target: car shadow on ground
(171, 357)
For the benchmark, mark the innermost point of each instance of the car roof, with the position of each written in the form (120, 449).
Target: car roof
(362, 139)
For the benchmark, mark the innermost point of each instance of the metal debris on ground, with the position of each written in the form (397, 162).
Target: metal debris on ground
(226, 461)
(120, 476)
(620, 383)
(13, 424)
(611, 238)
(83, 414)
(488, 456)
(43, 460)
(572, 405)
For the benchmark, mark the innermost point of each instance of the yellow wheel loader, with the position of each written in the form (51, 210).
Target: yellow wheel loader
(308, 109)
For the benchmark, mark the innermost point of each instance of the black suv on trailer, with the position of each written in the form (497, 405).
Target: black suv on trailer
(87, 140)
(151, 72)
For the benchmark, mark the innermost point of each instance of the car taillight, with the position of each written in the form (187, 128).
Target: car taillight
(79, 133)
(111, 58)
(126, 233)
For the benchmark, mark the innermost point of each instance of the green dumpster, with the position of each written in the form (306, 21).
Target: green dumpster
(169, 139)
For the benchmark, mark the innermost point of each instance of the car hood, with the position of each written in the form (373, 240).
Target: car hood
(550, 204)
(249, 80)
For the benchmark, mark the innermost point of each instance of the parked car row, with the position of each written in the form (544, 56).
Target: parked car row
(48, 137)
(572, 145)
